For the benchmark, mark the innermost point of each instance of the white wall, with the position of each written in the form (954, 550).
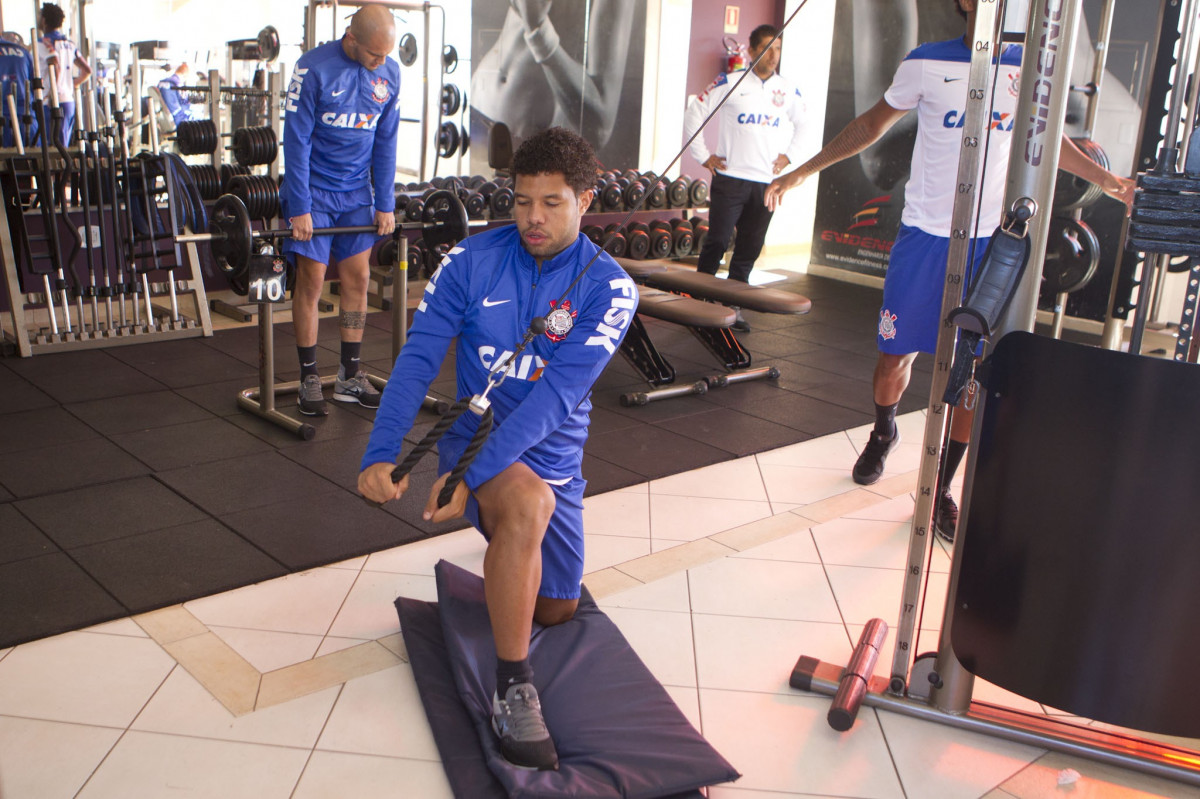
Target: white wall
(807, 46)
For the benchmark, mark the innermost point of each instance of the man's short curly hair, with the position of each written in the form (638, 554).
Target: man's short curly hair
(52, 16)
(558, 150)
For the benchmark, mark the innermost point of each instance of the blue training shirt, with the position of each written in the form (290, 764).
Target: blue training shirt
(340, 128)
(16, 68)
(485, 292)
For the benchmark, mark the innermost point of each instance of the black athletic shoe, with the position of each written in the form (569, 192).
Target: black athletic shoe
(524, 740)
(869, 466)
(740, 324)
(311, 399)
(945, 516)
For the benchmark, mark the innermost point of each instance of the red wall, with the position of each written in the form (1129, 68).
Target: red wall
(706, 55)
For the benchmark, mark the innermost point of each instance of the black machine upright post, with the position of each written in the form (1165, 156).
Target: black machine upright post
(85, 177)
(45, 182)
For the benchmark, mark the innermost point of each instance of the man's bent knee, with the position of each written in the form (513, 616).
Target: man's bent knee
(515, 498)
(549, 612)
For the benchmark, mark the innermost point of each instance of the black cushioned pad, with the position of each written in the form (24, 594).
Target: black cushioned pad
(617, 731)
(683, 310)
(661, 275)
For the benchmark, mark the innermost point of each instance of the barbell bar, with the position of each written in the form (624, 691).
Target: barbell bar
(231, 238)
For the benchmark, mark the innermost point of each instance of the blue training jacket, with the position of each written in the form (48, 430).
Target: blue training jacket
(340, 128)
(16, 69)
(485, 292)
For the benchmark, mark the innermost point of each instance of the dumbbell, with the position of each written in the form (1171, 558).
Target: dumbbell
(412, 204)
(637, 241)
(662, 242)
(634, 192)
(499, 198)
(475, 203)
(617, 245)
(699, 232)
(683, 236)
(612, 196)
(657, 193)
(677, 192)
(475, 181)
(698, 193)
(595, 233)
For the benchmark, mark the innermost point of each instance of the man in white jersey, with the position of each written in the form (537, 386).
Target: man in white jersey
(758, 136)
(933, 80)
(63, 68)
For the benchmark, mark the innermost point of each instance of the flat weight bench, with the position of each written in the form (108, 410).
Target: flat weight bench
(700, 303)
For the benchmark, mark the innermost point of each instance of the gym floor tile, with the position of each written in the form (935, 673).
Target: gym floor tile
(206, 366)
(854, 394)
(5, 494)
(58, 468)
(218, 398)
(735, 432)
(328, 527)
(189, 443)
(152, 354)
(604, 420)
(251, 481)
(43, 596)
(821, 336)
(339, 423)
(44, 427)
(21, 539)
(90, 515)
(137, 412)
(335, 459)
(95, 379)
(839, 362)
(603, 476)
(175, 564)
(777, 345)
(653, 451)
(18, 394)
(410, 506)
(809, 415)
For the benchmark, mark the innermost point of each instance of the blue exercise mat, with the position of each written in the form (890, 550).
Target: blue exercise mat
(617, 731)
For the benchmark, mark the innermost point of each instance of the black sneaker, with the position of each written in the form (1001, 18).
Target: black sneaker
(869, 466)
(524, 740)
(740, 324)
(945, 516)
(312, 400)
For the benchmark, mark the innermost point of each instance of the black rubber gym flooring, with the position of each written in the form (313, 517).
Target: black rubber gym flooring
(130, 480)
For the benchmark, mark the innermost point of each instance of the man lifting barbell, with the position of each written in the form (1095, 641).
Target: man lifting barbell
(340, 137)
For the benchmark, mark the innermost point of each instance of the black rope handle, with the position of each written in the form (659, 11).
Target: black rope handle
(434, 435)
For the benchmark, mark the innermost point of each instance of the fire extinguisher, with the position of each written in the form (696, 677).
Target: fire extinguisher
(736, 56)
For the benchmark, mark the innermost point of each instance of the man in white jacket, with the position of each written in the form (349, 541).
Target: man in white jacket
(758, 136)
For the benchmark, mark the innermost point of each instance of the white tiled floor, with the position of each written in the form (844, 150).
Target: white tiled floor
(108, 713)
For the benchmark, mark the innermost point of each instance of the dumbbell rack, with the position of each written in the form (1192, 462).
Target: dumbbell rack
(28, 335)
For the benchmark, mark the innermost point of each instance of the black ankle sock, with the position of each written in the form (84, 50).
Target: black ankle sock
(885, 420)
(951, 458)
(511, 672)
(350, 352)
(308, 360)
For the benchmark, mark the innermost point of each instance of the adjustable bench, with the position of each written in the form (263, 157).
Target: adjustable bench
(699, 302)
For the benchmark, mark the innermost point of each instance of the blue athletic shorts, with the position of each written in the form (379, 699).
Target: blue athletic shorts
(336, 209)
(912, 290)
(562, 548)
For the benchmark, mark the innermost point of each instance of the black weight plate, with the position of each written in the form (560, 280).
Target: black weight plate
(413, 209)
(447, 139)
(501, 202)
(449, 59)
(637, 244)
(657, 197)
(684, 242)
(698, 192)
(407, 52)
(444, 220)
(1173, 201)
(660, 243)
(268, 43)
(677, 193)
(610, 198)
(232, 241)
(475, 205)
(1072, 255)
(615, 245)
(451, 100)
